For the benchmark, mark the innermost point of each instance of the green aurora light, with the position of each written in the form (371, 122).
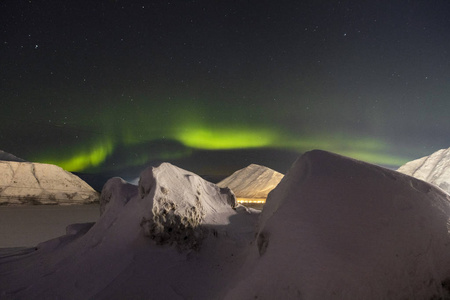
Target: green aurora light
(204, 138)
(193, 125)
(83, 159)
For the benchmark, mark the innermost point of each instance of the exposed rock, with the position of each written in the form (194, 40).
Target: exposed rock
(434, 169)
(35, 183)
(254, 181)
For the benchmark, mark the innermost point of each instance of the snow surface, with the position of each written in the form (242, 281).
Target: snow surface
(334, 228)
(35, 183)
(339, 228)
(29, 225)
(434, 169)
(137, 249)
(254, 181)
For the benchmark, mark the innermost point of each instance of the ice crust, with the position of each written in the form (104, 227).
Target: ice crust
(333, 228)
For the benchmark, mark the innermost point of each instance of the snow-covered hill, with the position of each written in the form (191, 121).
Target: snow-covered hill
(35, 183)
(252, 182)
(337, 228)
(334, 228)
(434, 169)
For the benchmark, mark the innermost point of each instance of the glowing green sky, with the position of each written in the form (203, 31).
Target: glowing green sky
(105, 85)
(217, 135)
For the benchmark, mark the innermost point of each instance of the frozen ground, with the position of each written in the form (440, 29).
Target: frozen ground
(334, 228)
(27, 226)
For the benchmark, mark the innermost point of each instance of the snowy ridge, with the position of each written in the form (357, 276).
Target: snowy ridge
(35, 183)
(434, 169)
(254, 181)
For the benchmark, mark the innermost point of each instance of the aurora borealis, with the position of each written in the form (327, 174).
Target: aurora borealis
(103, 85)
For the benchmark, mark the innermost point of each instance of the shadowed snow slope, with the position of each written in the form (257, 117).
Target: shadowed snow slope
(254, 181)
(9, 157)
(175, 236)
(434, 169)
(35, 183)
(339, 228)
(334, 228)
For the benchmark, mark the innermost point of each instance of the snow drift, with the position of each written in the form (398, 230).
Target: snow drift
(175, 236)
(35, 183)
(333, 228)
(252, 182)
(434, 169)
(339, 228)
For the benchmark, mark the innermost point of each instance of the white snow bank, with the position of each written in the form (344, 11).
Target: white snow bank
(336, 228)
(127, 253)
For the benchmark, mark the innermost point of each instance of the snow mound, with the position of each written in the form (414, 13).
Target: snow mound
(434, 169)
(181, 202)
(333, 228)
(336, 228)
(116, 193)
(175, 236)
(35, 183)
(254, 181)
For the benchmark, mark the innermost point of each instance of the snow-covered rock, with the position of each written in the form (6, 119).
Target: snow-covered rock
(254, 181)
(336, 228)
(181, 203)
(175, 236)
(35, 183)
(434, 169)
(333, 228)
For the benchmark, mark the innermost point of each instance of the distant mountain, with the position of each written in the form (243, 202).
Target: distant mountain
(35, 183)
(9, 157)
(254, 182)
(434, 169)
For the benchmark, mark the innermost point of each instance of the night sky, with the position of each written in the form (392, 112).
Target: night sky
(101, 86)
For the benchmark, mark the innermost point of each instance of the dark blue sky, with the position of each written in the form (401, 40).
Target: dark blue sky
(104, 85)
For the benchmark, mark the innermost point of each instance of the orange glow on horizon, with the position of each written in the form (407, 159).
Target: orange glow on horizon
(251, 200)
